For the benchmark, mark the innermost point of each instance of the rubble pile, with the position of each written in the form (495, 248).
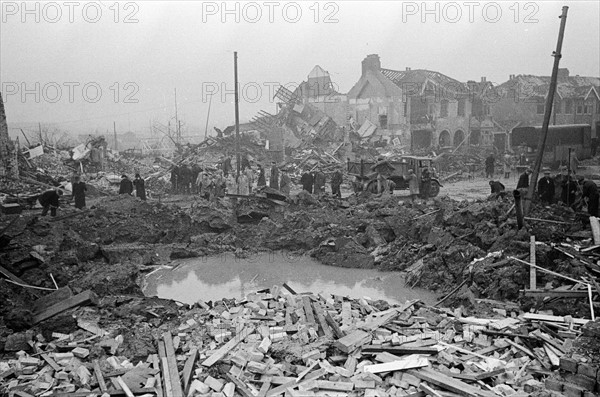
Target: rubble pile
(278, 341)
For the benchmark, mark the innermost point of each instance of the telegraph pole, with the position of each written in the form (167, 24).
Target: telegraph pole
(237, 115)
(115, 133)
(549, 102)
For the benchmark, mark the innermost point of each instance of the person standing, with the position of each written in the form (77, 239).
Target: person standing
(231, 185)
(590, 192)
(125, 187)
(140, 187)
(49, 200)
(319, 182)
(226, 166)
(286, 183)
(546, 188)
(249, 178)
(524, 179)
(175, 179)
(243, 187)
(413, 185)
(307, 182)
(336, 182)
(220, 184)
(274, 179)
(195, 175)
(262, 180)
(426, 183)
(507, 165)
(489, 166)
(79, 189)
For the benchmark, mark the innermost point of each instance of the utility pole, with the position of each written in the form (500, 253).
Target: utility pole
(207, 118)
(237, 115)
(115, 132)
(548, 111)
(177, 119)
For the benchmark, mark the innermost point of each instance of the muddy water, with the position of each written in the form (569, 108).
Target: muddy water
(225, 276)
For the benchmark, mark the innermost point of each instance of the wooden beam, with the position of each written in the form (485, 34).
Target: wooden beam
(399, 350)
(223, 350)
(334, 326)
(172, 365)
(321, 318)
(77, 300)
(310, 318)
(532, 270)
(556, 293)
(188, 370)
(445, 382)
(99, 377)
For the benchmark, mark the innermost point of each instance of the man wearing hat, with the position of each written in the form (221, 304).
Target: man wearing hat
(545, 188)
(524, 179)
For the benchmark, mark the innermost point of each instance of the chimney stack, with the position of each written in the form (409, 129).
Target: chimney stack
(483, 79)
(511, 77)
(407, 69)
(371, 62)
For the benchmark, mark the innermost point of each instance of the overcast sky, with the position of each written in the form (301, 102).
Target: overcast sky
(189, 46)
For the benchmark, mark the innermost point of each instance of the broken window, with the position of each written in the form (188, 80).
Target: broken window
(444, 108)
(461, 107)
(579, 109)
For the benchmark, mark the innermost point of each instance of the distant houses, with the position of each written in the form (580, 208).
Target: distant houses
(423, 109)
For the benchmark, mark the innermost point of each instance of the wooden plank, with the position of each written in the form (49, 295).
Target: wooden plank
(310, 318)
(172, 365)
(556, 293)
(16, 279)
(281, 389)
(264, 389)
(338, 386)
(77, 300)
(99, 377)
(412, 361)
(223, 350)
(334, 326)
(554, 359)
(445, 382)
(158, 385)
(321, 318)
(286, 286)
(556, 319)
(166, 377)
(353, 340)
(188, 370)
(429, 390)
(240, 387)
(399, 349)
(124, 386)
(51, 299)
(110, 392)
(532, 270)
(51, 362)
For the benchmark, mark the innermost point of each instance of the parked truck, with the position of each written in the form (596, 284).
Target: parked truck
(366, 172)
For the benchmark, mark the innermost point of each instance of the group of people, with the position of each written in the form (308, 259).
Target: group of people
(126, 186)
(314, 182)
(565, 187)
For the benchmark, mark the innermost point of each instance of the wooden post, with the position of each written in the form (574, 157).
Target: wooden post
(532, 269)
(548, 110)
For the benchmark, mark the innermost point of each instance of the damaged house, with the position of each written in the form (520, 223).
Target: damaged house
(422, 108)
(521, 101)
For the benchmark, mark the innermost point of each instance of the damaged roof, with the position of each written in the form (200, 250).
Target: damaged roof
(527, 85)
(424, 79)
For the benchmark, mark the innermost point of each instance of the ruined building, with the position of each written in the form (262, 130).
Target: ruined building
(425, 108)
(8, 153)
(521, 101)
